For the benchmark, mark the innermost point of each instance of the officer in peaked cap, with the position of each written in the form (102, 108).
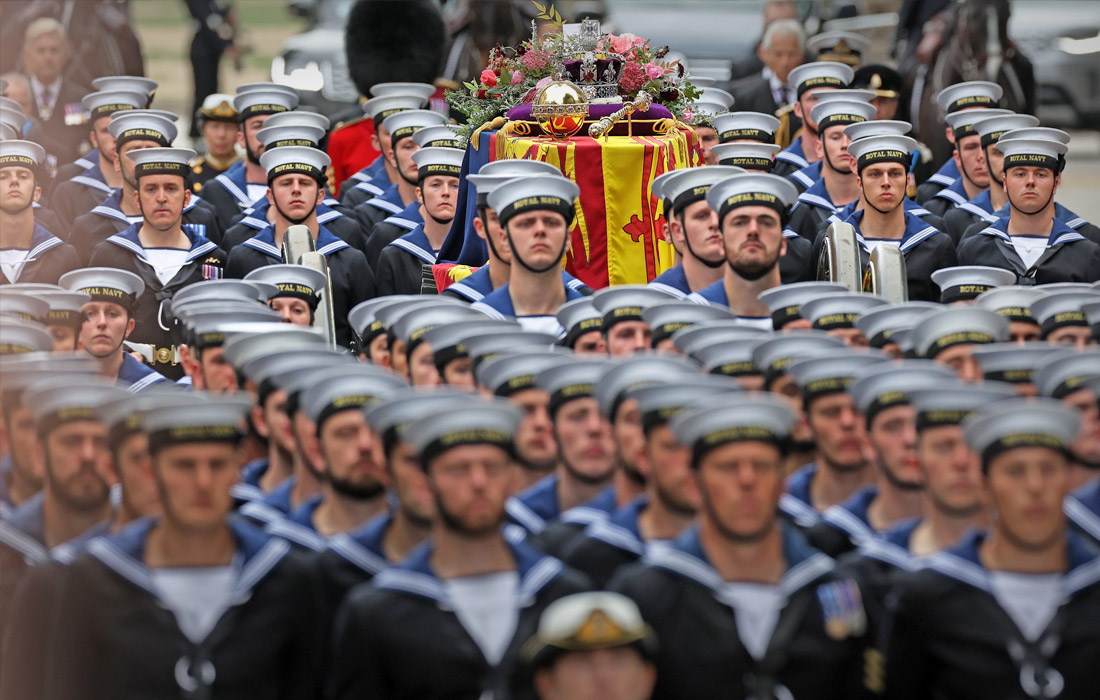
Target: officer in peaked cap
(666, 318)
(299, 290)
(693, 229)
(218, 124)
(583, 325)
(624, 329)
(949, 336)
(1014, 303)
(785, 303)
(1038, 251)
(296, 186)
(749, 206)
(1062, 320)
(843, 47)
(880, 323)
(374, 179)
(964, 283)
(836, 314)
(969, 158)
(886, 83)
(807, 79)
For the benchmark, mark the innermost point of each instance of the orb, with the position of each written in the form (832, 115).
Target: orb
(560, 108)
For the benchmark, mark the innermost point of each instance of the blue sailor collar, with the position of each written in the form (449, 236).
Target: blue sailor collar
(954, 193)
(947, 173)
(136, 376)
(369, 186)
(257, 554)
(794, 154)
(248, 490)
(621, 529)
(851, 516)
(415, 576)
(480, 284)
(980, 206)
(892, 546)
(303, 514)
(377, 172)
(41, 241)
(916, 231)
(963, 563)
(66, 552)
(416, 243)
(673, 281)
(274, 507)
(1082, 507)
(363, 547)
(24, 530)
(533, 508)
(599, 508)
(1059, 232)
(807, 176)
(390, 201)
(298, 526)
(1061, 213)
(88, 159)
(408, 218)
(715, 294)
(686, 557)
(93, 177)
(1089, 495)
(200, 244)
(252, 472)
(498, 304)
(235, 182)
(797, 502)
(256, 216)
(818, 196)
(264, 241)
(842, 214)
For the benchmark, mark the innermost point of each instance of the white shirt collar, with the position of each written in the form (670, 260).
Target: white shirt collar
(39, 88)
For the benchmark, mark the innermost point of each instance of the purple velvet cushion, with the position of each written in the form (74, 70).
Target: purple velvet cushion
(522, 113)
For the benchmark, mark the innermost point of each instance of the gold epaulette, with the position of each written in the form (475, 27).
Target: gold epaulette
(784, 135)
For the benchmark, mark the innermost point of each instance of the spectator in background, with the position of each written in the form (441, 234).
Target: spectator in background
(751, 64)
(215, 30)
(55, 100)
(19, 89)
(781, 49)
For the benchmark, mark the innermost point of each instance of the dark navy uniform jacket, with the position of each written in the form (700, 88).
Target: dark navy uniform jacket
(811, 210)
(378, 208)
(401, 264)
(255, 220)
(943, 177)
(79, 194)
(389, 230)
(948, 198)
(968, 222)
(844, 526)
(1069, 257)
(607, 545)
(47, 259)
(370, 182)
(228, 193)
(790, 160)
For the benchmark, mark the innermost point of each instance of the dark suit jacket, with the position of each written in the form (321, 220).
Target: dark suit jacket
(753, 94)
(60, 139)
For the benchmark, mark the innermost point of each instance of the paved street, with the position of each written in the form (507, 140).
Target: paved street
(1080, 189)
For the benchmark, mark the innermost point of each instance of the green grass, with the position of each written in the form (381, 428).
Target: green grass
(250, 13)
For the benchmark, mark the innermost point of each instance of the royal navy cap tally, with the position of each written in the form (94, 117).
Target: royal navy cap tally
(754, 126)
(947, 328)
(838, 310)
(665, 318)
(877, 127)
(1043, 153)
(1060, 309)
(973, 93)
(570, 381)
(963, 282)
(1013, 302)
(729, 358)
(438, 160)
(299, 118)
(218, 107)
(587, 621)
(882, 149)
(494, 174)
(820, 74)
(659, 404)
(506, 375)
(753, 417)
(880, 323)
(124, 417)
(1014, 423)
(830, 371)
(949, 402)
(844, 47)
(105, 284)
(106, 102)
(348, 391)
(65, 307)
(296, 281)
(263, 98)
(243, 347)
(480, 422)
(1014, 363)
(406, 404)
(194, 417)
(295, 159)
(963, 123)
(486, 347)
(290, 135)
(1065, 371)
(578, 317)
(749, 155)
(424, 90)
(785, 302)
(25, 305)
(448, 340)
(437, 137)
(992, 127)
(378, 108)
(773, 355)
(690, 340)
(635, 371)
(626, 302)
(162, 161)
(54, 401)
(407, 122)
(141, 125)
(882, 386)
(535, 193)
(752, 189)
(18, 337)
(129, 83)
(683, 187)
(841, 113)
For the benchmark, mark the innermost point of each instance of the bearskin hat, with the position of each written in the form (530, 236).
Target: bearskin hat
(394, 41)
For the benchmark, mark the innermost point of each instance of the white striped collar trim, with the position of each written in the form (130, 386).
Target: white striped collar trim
(261, 512)
(802, 514)
(296, 534)
(918, 238)
(522, 514)
(918, 211)
(263, 247)
(1067, 237)
(401, 221)
(33, 551)
(146, 382)
(427, 586)
(112, 214)
(83, 162)
(92, 182)
(382, 204)
(840, 517)
(488, 310)
(42, 247)
(792, 157)
(1082, 517)
(816, 200)
(668, 289)
(368, 186)
(696, 298)
(940, 179)
(414, 249)
(232, 189)
(960, 569)
(330, 248)
(976, 211)
(1076, 223)
(795, 578)
(357, 554)
(1081, 577)
(583, 515)
(466, 292)
(889, 553)
(244, 492)
(253, 222)
(802, 177)
(615, 535)
(328, 216)
(947, 193)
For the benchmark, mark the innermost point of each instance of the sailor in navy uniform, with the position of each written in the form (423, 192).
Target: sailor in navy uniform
(791, 625)
(752, 211)
(960, 284)
(298, 291)
(1031, 241)
(244, 182)
(837, 185)
(466, 612)
(666, 318)
(202, 339)
(1062, 319)
(809, 79)
(217, 109)
(1014, 303)
(134, 130)
(411, 329)
(950, 336)
(881, 325)
(693, 227)
(537, 215)
(881, 392)
(402, 194)
(1010, 612)
(971, 163)
(28, 252)
(401, 263)
(972, 94)
(236, 619)
(785, 302)
(1072, 379)
(583, 325)
(109, 321)
(671, 499)
(296, 185)
(377, 177)
(625, 330)
(82, 191)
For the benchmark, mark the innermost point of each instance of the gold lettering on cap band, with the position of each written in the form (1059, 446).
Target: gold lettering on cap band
(439, 169)
(295, 288)
(751, 198)
(742, 432)
(626, 311)
(18, 160)
(292, 142)
(746, 133)
(962, 337)
(458, 437)
(970, 101)
(104, 292)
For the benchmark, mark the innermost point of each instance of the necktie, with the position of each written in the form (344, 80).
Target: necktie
(44, 108)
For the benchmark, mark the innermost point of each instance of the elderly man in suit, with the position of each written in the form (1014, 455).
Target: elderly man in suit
(782, 47)
(56, 100)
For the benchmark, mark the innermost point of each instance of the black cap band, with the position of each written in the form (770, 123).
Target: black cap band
(724, 436)
(108, 110)
(619, 315)
(193, 433)
(736, 369)
(115, 296)
(940, 417)
(291, 142)
(746, 133)
(829, 322)
(818, 82)
(299, 168)
(1062, 320)
(141, 135)
(843, 119)
(20, 161)
(256, 110)
(749, 162)
(784, 315)
(884, 401)
(691, 196)
(882, 155)
(64, 317)
(161, 168)
(569, 393)
(961, 338)
(759, 199)
(69, 414)
(1012, 376)
(971, 101)
(823, 387)
(1011, 442)
(298, 291)
(1032, 159)
(588, 325)
(544, 202)
(962, 292)
(427, 170)
(470, 436)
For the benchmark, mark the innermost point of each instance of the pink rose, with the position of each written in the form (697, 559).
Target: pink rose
(621, 43)
(653, 71)
(688, 115)
(543, 83)
(488, 77)
(517, 77)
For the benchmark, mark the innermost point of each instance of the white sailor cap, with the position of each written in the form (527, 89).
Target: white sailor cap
(162, 161)
(24, 305)
(880, 323)
(636, 371)
(1043, 153)
(357, 388)
(254, 99)
(195, 417)
(299, 117)
(407, 122)
(218, 106)
(785, 302)
(949, 402)
(403, 405)
(773, 355)
(658, 404)
(212, 328)
(1038, 132)
(712, 100)
(566, 382)
(727, 357)
(1012, 302)
(831, 371)
(748, 155)
(963, 282)
(448, 340)
(486, 347)
(1015, 423)
(694, 339)
(506, 375)
(410, 327)
(424, 90)
(129, 83)
(22, 154)
(1060, 309)
(259, 339)
(839, 309)
(679, 188)
(843, 47)
(19, 337)
(223, 289)
(885, 385)
(626, 302)
(54, 401)
(877, 127)
(940, 330)
(378, 108)
(578, 317)
(841, 113)
(973, 93)
(752, 189)
(667, 317)
(295, 159)
(1066, 371)
(142, 124)
(364, 321)
(496, 173)
(106, 102)
(438, 160)
(847, 94)
(1014, 363)
(754, 126)
(992, 128)
(65, 307)
(820, 74)
(105, 284)
(443, 136)
(296, 281)
(281, 136)
(539, 192)
(882, 149)
(964, 123)
(752, 417)
(6, 131)
(480, 422)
